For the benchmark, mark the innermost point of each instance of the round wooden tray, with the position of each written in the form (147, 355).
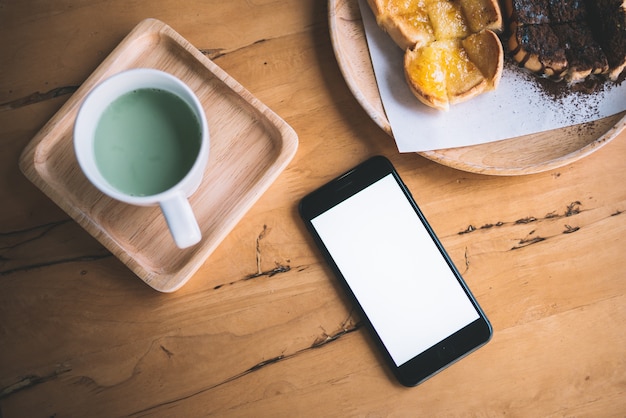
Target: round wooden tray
(522, 155)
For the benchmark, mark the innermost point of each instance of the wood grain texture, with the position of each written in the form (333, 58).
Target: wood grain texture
(262, 328)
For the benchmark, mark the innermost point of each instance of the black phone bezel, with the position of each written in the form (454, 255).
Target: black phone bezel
(442, 354)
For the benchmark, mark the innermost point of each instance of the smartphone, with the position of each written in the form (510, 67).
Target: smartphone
(398, 275)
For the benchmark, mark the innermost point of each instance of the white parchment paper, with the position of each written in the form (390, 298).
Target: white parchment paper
(519, 106)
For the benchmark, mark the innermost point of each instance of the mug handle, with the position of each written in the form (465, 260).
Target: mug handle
(181, 221)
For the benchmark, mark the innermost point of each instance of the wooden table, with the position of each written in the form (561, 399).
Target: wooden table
(262, 329)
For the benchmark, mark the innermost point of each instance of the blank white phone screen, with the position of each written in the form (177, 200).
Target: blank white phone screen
(394, 269)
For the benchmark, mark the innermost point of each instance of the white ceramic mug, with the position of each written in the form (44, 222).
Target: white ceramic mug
(174, 201)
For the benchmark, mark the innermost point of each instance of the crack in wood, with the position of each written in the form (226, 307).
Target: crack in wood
(526, 242)
(526, 220)
(536, 239)
(551, 215)
(54, 263)
(570, 229)
(37, 97)
(348, 326)
(264, 363)
(30, 381)
(472, 228)
(45, 228)
(269, 273)
(166, 351)
(214, 53)
(467, 260)
(572, 209)
(39, 232)
(345, 328)
(279, 268)
(34, 228)
(258, 249)
(487, 226)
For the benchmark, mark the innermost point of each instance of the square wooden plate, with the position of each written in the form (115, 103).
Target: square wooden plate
(250, 147)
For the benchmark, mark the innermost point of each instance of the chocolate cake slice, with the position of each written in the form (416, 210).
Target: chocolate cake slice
(608, 22)
(538, 49)
(527, 12)
(565, 11)
(584, 54)
(569, 39)
(532, 42)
